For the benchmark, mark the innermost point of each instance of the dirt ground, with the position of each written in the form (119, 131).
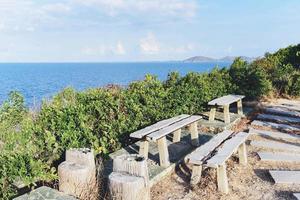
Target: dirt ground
(251, 182)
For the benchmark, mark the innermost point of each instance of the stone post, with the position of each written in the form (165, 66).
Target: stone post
(77, 175)
(129, 179)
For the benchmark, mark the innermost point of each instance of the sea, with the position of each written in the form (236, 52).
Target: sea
(38, 81)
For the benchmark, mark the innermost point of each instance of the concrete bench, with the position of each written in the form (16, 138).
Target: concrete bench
(158, 132)
(225, 102)
(200, 158)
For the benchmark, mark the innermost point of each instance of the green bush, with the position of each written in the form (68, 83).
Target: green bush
(249, 81)
(20, 158)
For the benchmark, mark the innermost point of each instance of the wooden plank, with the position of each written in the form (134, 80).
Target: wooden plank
(297, 195)
(284, 127)
(240, 107)
(225, 100)
(226, 114)
(212, 114)
(279, 157)
(163, 152)
(228, 148)
(222, 179)
(193, 129)
(274, 134)
(159, 125)
(196, 174)
(173, 127)
(277, 118)
(144, 148)
(281, 111)
(276, 145)
(243, 154)
(197, 156)
(285, 177)
(176, 135)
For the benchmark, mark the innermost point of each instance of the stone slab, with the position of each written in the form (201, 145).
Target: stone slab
(45, 193)
(277, 118)
(283, 127)
(281, 111)
(279, 157)
(276, 145)
(225, 100)
(297, 195)
(274, 134)
(285, 177)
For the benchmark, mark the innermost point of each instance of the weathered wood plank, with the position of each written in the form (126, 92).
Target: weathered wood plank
(144, 148)
(226, 114)
(201, 152)
(196, 174)
(297, 195)
(275, 145)
(284, 127)
(274, 134)
(163, 152)
(222, 179)
(159, 125)
(228, 148)
(176, 135)
(277, 118)
(279, 157)
(242, 151)
(225, 100)
(285, 177)
(173, 127)
(281, 111)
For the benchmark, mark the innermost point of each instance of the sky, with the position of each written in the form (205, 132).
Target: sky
(144, 30)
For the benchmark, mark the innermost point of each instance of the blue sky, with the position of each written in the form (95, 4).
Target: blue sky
(143, 30)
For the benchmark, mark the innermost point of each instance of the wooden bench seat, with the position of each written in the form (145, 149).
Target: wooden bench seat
(218, 161)
(161, 124)
(225, 102)
(158, 132)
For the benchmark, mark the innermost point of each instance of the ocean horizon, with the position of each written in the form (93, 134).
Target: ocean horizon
(37, 81)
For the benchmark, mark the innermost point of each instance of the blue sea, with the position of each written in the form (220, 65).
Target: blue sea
(37, 81)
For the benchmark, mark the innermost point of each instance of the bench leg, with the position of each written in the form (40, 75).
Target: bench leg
(163, 152)
(226, 114)
(222, 179)
(144, 148)
(212, 114)
(193, 128)
(177, 135)
(243, 154)
(240, 107)
(196, 174)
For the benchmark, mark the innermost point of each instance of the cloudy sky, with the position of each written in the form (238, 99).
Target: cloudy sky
(143, 30)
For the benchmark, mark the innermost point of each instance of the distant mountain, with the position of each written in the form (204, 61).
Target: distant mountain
(224, 59)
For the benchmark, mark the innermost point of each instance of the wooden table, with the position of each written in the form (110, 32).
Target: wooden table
(158, 132)
(225, 102)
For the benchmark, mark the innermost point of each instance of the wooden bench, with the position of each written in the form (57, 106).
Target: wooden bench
(158, 132)
(225, 102)
(200, 158)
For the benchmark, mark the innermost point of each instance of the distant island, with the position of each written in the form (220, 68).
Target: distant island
(224, 59)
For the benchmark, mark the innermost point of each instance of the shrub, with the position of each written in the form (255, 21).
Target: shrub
(249, 81)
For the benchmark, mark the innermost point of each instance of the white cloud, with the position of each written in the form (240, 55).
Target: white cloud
(104, 50)
(182, 49)
(56, 8)
(176, 8)
(149, 44)
(120, 50)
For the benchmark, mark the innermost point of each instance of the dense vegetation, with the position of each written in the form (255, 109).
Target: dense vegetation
(102, 118)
